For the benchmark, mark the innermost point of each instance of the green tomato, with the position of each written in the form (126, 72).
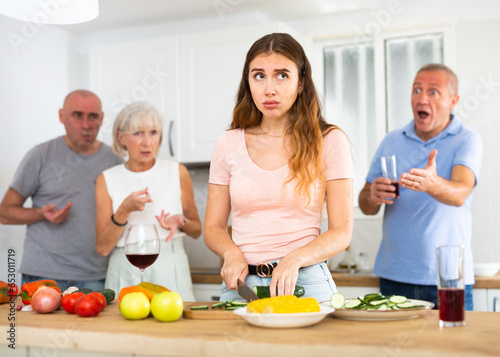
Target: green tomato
(167, 306)
(135, 306)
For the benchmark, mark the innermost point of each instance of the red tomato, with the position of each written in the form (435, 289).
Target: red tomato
(87, 306)
(13, 290)
(101, 298)
(68, 302)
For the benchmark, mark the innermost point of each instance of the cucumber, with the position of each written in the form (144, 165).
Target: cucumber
(84, 290)
(263, 291)
(353, 304)
(229, 308)
(218, 305)
(406, 305)
(199, 307)
(373, 296)
(337, 300)
(239, 303)
(109, 294)
(381, 302)
(378, 302)
(398, 299)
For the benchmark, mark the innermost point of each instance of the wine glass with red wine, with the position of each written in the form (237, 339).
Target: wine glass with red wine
(142, 245)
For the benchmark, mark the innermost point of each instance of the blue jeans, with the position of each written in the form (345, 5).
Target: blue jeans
(420, 292)
(95, 285)
(316, 280)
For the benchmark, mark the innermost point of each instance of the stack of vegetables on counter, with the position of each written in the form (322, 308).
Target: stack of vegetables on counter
(136, 302)
(86, 302)
(45, 296)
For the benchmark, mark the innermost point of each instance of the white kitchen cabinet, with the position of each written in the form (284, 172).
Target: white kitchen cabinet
(211, 66)
(355, 291)
(486, 299)
(493, 300)
(192, 79)
(145, 70)
(480, 298)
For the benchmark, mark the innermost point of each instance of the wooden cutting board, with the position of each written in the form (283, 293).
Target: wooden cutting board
(210, 314)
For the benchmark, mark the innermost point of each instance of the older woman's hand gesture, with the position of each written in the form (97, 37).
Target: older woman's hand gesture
(170, 223)
(136, 201)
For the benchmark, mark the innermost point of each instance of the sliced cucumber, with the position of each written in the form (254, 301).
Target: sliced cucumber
(218, 305)
(337, 300)
(398, 299)
(199, 307)
(232, 307)
(378, 302)
(238, 303)
(353, 304)
(373, 296)
(406, 305)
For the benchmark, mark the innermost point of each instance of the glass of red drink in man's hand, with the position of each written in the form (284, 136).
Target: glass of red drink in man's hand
(388, 164)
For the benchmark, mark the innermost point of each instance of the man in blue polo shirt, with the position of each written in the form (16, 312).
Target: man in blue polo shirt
(439, 160)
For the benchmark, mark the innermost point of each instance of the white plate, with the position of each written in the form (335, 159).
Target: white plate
(299, 319)
(384, 315)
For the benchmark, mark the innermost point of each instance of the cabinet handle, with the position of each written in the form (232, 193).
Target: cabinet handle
(170, 144)
(496, 304)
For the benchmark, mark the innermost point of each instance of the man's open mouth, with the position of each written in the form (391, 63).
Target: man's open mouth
(422, 114)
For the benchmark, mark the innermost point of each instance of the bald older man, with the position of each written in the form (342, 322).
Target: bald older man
(59, 176)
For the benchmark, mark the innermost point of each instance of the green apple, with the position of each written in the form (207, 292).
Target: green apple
(135, 306)
(167, 306)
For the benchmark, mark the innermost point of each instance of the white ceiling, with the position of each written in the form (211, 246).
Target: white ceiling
(121, 13)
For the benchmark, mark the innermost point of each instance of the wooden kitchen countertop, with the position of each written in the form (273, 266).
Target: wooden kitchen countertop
(109, 332)
(211, 276)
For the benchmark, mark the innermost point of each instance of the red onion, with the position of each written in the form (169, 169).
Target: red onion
(46, 300)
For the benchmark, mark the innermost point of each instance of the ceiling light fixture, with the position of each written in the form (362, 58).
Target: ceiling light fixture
(51, 12)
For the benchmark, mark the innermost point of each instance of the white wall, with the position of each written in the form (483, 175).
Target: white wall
(35, 80)
(35, 77)
(478, 68)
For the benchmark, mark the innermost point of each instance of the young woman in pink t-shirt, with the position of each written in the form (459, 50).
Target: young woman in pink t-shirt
(273, 171)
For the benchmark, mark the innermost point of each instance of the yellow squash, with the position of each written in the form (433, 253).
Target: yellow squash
(283, 304)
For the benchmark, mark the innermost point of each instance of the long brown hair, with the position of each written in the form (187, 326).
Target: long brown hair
(306, 123)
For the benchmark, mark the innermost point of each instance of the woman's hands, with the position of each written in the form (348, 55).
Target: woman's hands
(170, 223)
(235, 267)
(284, 277)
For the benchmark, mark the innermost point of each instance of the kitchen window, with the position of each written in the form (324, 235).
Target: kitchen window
(366, 86)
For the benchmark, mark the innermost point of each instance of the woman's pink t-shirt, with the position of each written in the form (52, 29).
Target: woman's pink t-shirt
(268, 219)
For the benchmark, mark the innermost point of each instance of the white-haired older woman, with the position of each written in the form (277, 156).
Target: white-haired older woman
(144, 189)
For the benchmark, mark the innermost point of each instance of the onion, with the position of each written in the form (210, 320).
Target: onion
(45, 300)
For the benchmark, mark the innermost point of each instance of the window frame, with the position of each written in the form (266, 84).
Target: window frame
(379, 54)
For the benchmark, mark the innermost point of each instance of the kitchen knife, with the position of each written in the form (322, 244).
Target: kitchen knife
(245, 292)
